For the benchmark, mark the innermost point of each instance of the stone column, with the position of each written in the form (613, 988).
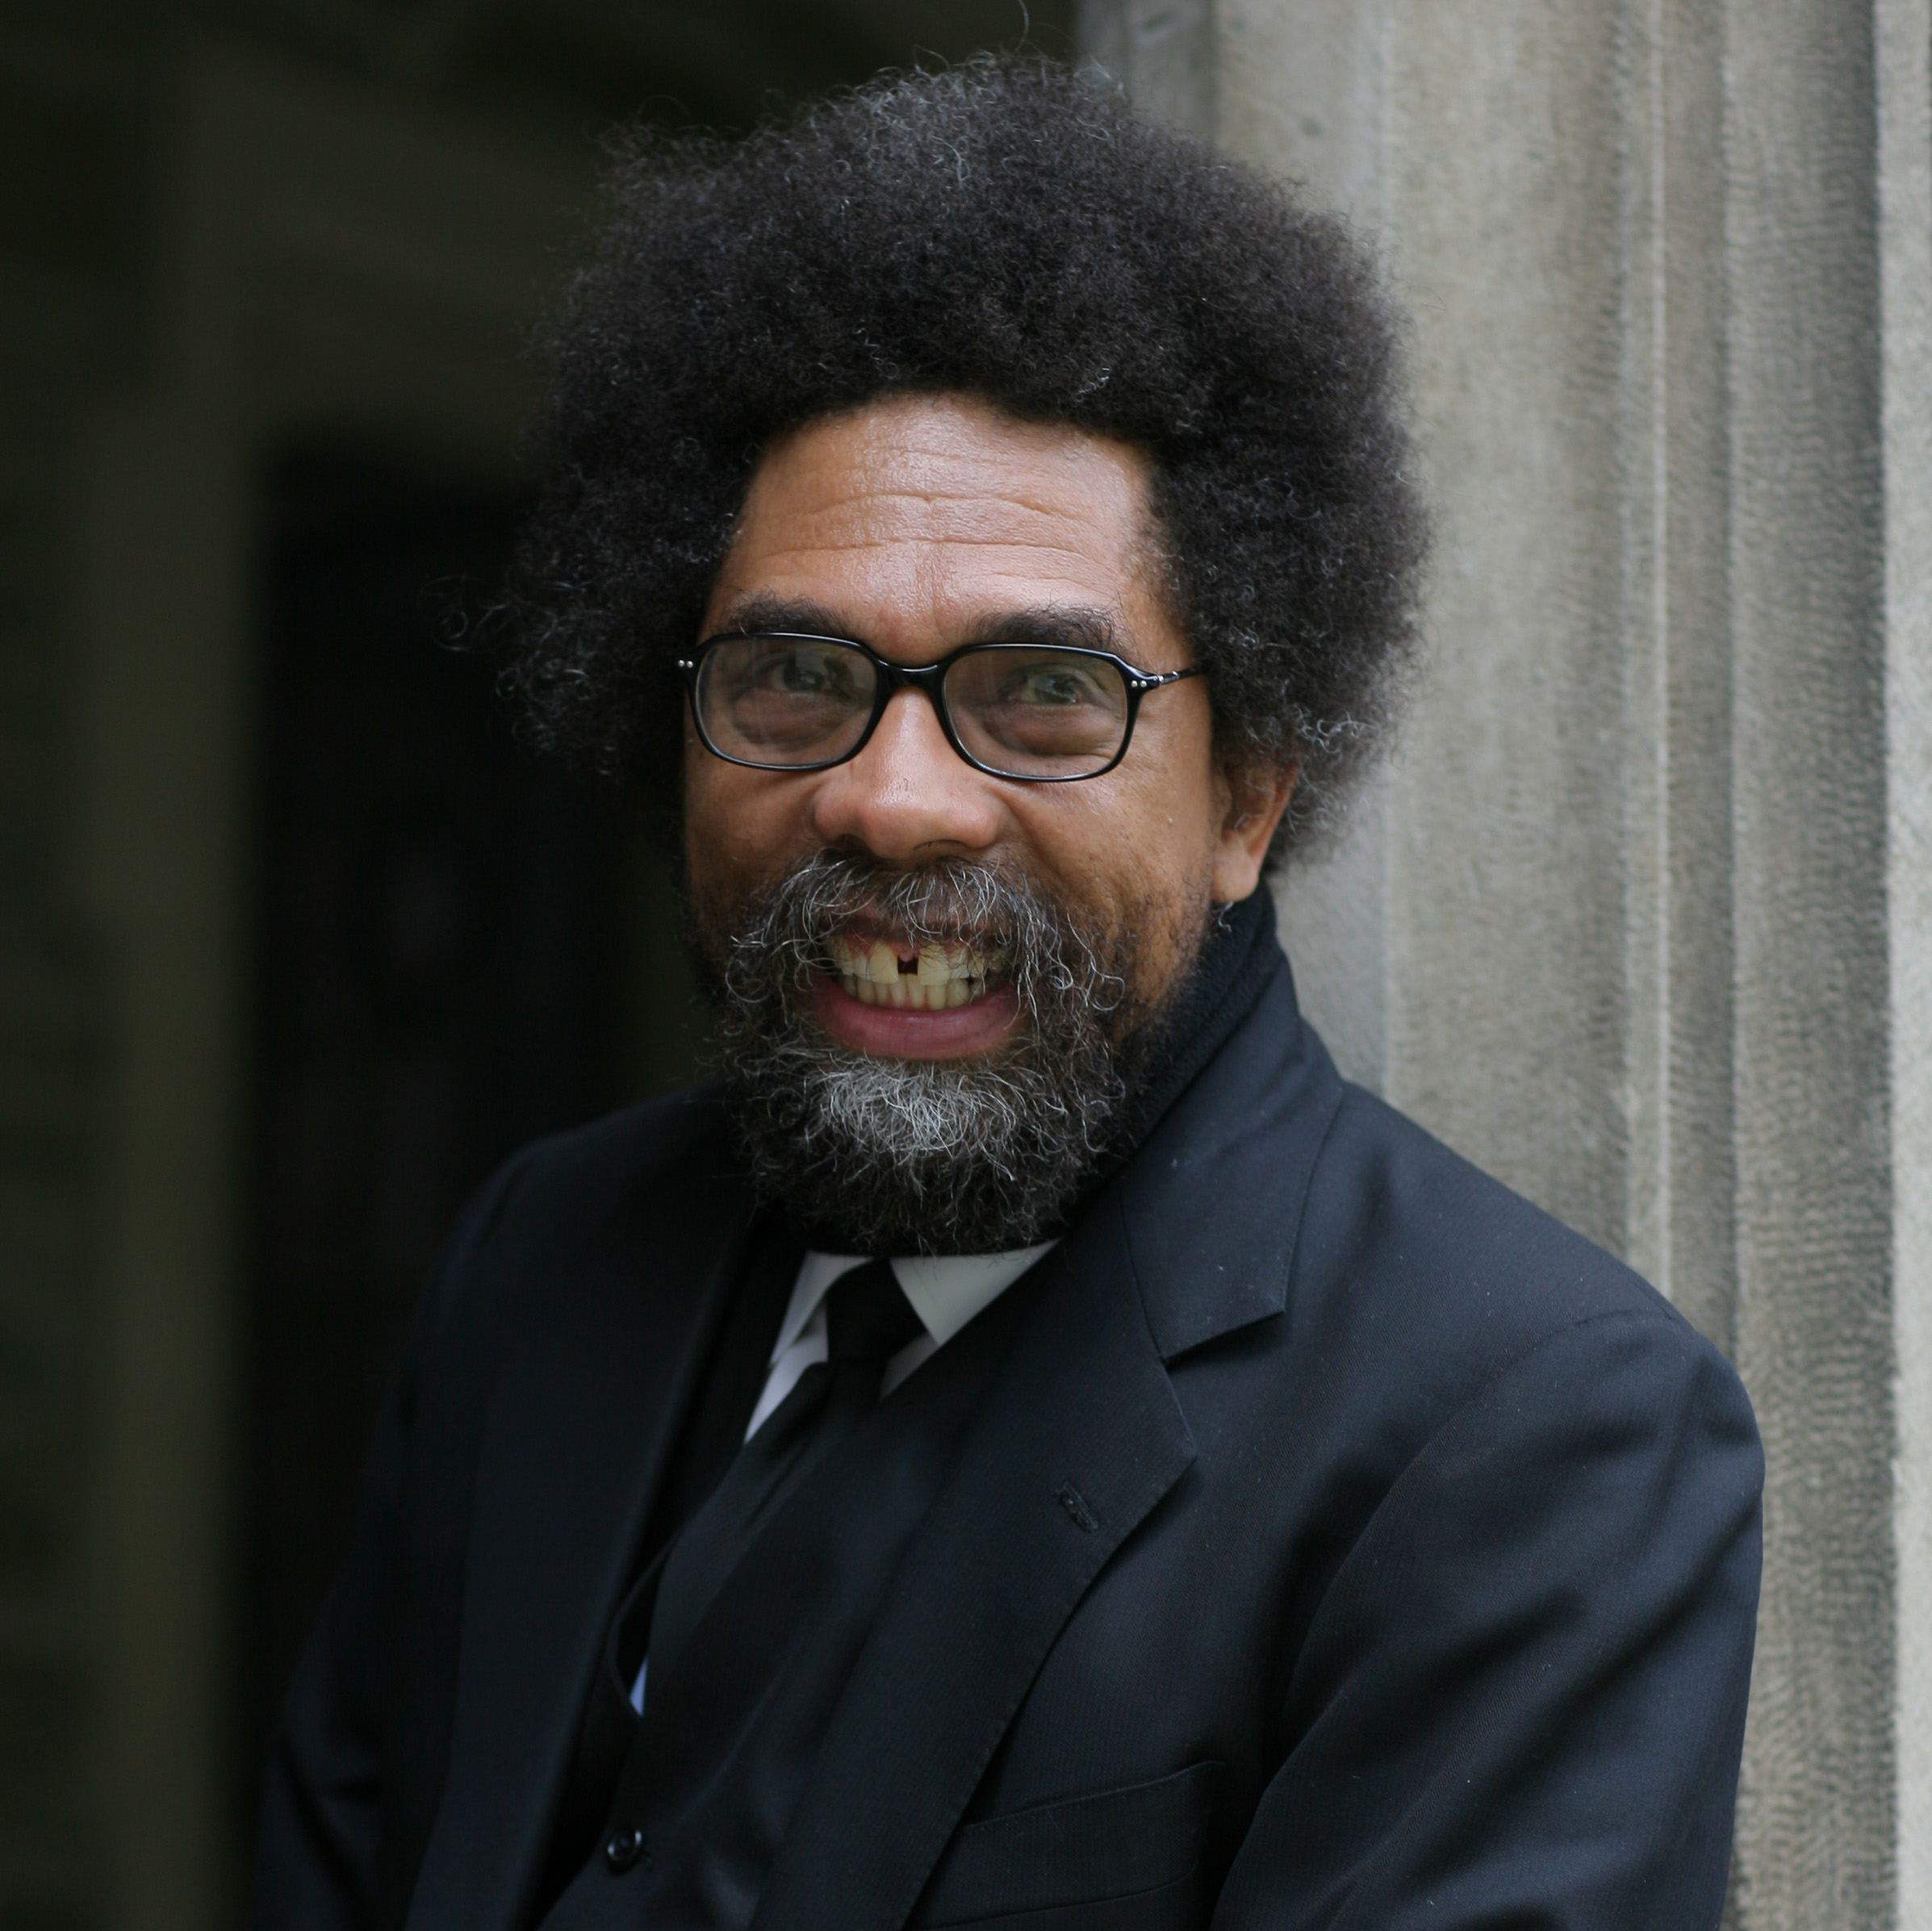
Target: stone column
(1905, 222)
(1807, 491)
(1164, 50)
(1639, 918)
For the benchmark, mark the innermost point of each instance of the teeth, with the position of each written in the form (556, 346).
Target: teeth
(942, 976)
(919, 994)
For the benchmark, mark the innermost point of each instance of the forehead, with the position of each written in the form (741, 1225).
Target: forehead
(920, 514)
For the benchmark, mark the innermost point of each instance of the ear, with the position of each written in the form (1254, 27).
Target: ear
(1251, 801)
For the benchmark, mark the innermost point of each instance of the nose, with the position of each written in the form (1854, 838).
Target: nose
(909, 796)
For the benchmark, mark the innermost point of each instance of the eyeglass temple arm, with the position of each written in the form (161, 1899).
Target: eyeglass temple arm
(1142, 681)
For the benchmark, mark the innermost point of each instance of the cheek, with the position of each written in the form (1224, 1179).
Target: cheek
(703, 819)
(743, 829)
(1162, 825)
(1138, 855)
(715, 822)
(1141, 854)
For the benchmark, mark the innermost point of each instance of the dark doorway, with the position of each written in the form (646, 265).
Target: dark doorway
(448, 944)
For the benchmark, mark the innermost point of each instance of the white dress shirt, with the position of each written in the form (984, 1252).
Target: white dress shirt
(946, 1291)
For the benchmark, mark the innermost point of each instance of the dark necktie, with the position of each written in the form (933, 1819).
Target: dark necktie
(869, 1319)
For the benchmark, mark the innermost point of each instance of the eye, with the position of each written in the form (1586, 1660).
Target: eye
(1051, 687)
(807, 673)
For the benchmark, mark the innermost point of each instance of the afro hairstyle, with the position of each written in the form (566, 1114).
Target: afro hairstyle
(1011, 230)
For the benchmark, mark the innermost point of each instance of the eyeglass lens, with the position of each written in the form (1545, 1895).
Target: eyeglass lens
(1020, 711)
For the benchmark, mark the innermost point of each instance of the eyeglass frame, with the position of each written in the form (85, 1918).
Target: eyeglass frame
(929, 680)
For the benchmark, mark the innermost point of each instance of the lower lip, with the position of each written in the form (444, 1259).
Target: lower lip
(891, 1032)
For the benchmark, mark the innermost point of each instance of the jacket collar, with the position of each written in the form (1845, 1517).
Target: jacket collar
(1212, 1202)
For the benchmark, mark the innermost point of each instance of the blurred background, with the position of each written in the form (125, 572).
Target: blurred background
(296, 943)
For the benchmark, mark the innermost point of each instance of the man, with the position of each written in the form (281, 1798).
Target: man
(1032, 1446)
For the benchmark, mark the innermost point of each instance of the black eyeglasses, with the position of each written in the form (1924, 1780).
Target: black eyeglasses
(1044, 714)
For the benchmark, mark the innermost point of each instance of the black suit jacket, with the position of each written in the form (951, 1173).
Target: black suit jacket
(1344, 1544)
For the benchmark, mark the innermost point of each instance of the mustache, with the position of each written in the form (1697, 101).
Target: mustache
(1022, 932)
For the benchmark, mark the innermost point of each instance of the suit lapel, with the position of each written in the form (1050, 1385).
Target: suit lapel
(579, 1431)
(1080, 1437)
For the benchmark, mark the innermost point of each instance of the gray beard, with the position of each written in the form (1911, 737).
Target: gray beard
(927, 1156)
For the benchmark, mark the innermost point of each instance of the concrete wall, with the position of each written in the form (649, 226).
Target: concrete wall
(1905, 213)
(1638, 918)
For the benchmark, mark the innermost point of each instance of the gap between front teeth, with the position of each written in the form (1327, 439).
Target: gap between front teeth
(943, 977)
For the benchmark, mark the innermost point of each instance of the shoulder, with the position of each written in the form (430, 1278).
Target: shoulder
(649, 1140)
(1404, 1276)
(566, 1204)
(1450, 1283)
(1390, 1196)
(1450, 1360)
(638, 1157)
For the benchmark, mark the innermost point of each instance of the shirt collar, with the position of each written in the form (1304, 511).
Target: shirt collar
(946, 1290)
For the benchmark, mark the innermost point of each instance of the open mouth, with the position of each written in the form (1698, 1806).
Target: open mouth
(932, 977)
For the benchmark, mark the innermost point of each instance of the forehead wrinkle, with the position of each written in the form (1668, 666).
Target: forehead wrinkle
(935, 559)
(862, 544)
(922, 543)
(1071, 530)
(851, 523)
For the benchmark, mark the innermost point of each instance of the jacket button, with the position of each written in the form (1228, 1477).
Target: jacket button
(624, 1847)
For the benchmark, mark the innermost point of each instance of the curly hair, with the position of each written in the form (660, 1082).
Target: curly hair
(1009, 229)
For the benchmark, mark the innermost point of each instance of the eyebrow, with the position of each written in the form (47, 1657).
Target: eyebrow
(1046, 624)
(1083, 629)
(762, 613)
